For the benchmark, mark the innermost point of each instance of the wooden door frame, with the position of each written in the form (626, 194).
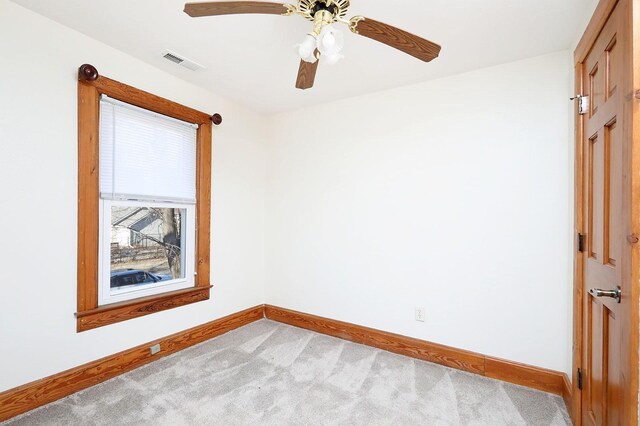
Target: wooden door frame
(630, 86)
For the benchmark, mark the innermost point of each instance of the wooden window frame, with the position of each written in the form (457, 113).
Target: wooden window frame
(89, 315)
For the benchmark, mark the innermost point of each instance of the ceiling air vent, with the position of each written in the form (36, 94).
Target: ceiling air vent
(181, 60)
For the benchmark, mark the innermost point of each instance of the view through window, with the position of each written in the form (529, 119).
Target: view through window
(146, 246)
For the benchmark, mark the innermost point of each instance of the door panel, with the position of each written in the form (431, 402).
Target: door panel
(603, 327)
(613, 188)
(613, 67)
(593, 390)
(596, 88)
(595, 197)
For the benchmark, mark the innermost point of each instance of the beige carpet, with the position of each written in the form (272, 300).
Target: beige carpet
(271, 374)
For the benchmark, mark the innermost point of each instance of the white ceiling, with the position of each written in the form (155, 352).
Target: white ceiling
(250, 58)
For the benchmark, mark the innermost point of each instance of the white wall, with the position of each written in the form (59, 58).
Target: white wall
(451, 194)
(38, 183)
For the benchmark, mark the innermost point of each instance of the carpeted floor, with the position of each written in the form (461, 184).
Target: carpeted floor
(271, 374)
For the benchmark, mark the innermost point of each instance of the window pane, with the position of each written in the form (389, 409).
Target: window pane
(146, 246)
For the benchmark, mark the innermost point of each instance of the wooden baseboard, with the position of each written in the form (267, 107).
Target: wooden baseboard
(439, 354)
(520, 374)
(524, 375)
(32, 395)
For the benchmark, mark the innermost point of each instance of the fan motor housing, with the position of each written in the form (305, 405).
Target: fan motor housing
(337, 8)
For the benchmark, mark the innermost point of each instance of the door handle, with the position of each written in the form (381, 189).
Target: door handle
(614, 294)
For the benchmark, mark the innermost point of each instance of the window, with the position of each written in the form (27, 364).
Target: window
(147, 203)
(143, 203)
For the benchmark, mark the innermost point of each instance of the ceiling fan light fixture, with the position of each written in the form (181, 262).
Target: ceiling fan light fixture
(324, 40)
(333, 59)
(306, 49)
(330, 41)
(312, 59)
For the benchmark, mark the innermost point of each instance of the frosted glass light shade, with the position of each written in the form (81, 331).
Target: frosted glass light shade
(307, 48)
(310, 59)
(330, 41)
(333, 59)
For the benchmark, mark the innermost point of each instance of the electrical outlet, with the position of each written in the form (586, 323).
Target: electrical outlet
(154, 349)
(420, 314)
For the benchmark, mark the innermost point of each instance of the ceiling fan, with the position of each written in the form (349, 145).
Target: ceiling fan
(325, 40)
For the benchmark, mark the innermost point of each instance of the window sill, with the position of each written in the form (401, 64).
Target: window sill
(117, 312)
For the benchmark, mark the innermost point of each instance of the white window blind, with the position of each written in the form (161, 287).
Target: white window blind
(144, 155)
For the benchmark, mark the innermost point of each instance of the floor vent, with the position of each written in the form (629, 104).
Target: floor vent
(181, 60)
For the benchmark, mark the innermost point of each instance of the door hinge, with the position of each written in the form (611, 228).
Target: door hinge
(581, 243)
(583, 104)
(579, 379)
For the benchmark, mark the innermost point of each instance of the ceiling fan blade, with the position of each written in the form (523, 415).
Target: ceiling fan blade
(307, 74)
(215, 8)
(395, 37)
